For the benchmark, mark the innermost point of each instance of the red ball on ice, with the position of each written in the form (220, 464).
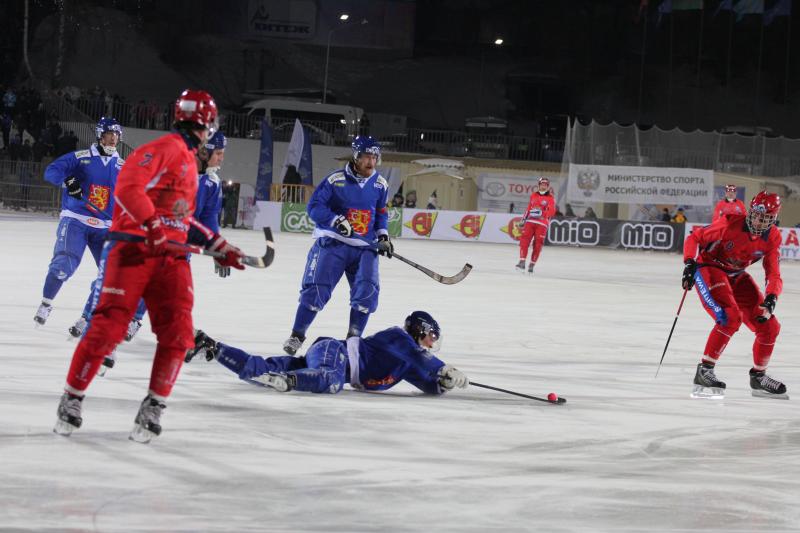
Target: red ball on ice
(552, 397)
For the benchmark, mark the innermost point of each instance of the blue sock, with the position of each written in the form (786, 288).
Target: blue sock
(358, 322)
(51, 286)
(303, 319)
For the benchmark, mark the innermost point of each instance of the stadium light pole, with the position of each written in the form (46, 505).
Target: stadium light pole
(498, 42)
(344, 17)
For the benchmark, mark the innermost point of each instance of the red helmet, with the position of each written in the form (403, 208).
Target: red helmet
(730, 188)
(763, 213)
(546, 181)
(197, 107)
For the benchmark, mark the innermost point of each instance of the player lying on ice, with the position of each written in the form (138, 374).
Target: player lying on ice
(377, 362)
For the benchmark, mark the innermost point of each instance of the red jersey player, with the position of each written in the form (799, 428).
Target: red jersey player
(730, 205)
(541, 208)
(154, 199)
(731, 296)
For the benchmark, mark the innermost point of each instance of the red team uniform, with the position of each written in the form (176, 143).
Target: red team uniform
(722, 251)
(730, 205)
(154, 201)
(541, 208)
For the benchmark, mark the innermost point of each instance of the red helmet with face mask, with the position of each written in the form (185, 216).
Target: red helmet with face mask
(763, 212)
(197, 110)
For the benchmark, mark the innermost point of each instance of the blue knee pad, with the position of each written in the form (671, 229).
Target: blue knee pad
(327, 368)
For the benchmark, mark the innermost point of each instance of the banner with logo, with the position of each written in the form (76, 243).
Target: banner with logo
(497, 192)
(285, 19)
(640, 185)
(264, 175)
(790, 241)
(295, 219)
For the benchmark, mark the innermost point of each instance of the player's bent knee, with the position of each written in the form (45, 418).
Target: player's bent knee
(314, 297)
(63, 266)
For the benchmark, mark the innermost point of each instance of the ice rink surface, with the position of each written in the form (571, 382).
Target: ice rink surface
(626, 453)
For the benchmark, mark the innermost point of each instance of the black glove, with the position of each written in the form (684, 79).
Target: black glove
(73, 187)
(687, 282)
(343, 226)
(385, 246)
(769, 308)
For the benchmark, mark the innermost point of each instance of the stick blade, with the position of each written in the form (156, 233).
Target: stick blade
(269, 256)
(452, 280)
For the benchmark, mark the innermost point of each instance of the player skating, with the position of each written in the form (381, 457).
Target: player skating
(730, 205)
(349, 210)
(731, 296)
(155, 198)
(541, 208)
(88, 178)
(377, 362)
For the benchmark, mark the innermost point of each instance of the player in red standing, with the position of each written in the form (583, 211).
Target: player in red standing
(730, 205)
(731, 296)
(541, 208)
(154, 201)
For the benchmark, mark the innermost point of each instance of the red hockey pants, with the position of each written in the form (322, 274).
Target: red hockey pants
(534, 231)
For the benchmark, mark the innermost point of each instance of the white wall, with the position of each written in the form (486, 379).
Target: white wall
(241, 156)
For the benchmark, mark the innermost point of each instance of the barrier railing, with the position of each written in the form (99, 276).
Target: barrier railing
(22, 187)
(297, 194)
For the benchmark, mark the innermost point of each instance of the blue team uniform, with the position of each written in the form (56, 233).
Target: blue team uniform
(374, 363)
(363, 202)
(81, 226)
(209, 200)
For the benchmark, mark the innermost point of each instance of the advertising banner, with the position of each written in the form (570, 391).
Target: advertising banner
(496, 192)
(640, 185)
(790, 241)
(295, 219)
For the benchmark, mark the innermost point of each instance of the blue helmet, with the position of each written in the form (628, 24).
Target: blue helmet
(216, 142)
(104, 125)
(366, 145)
(419, 324)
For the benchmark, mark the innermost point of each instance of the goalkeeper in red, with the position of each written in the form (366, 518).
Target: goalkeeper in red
(154, 201)
(715, 259)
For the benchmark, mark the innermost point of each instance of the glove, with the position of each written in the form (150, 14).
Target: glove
(73, 187)
(221, 271)
(521, 223)
(343, 226)
(233, 255)
(687, 282)
(769, 308)
(156, 239)
(385, 246)
(450, 378)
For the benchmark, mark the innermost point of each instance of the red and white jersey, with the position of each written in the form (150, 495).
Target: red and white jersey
(161, 179)
(725, 207)
(728, 244)
(541, 208)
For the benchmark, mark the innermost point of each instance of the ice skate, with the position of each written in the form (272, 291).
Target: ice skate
(706, 384)
(203, 345)
(293, 343)
(279, 382)
(69, 414)
(133, 328)
(766, 387)
(521, 266)
(147, 425)
(42, 313)
(108, 363)
(78, 328)
(530, 269)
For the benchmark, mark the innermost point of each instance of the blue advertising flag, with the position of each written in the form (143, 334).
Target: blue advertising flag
(264, 176)
(305, 168)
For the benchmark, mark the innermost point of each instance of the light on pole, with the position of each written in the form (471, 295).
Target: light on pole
(344, 17)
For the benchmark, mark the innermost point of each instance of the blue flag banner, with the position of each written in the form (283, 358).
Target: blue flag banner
(298, 154)
(264, 176)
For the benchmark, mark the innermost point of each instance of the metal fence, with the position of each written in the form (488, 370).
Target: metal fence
(23, 188)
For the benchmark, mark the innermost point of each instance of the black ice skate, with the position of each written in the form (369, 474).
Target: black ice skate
(42, 313)
(521, 266)
(69, 414)
(293, 343)
(133, 328)
(78, 328)
(108, 363)
(530, 269)
(203, 345)
(765, 386)
(279, 382)
(706, 384)
(147, 425)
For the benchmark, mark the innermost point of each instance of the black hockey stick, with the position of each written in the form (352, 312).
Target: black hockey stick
(249, 260)
(557, 401)
(447, 280)
(671, 330)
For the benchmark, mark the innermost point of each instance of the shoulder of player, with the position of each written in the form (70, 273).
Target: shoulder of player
(380, 181)
(82, 154)
(211, 180)
(335, 177)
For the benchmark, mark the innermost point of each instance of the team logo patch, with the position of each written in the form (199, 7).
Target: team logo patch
(360, 220)
(99, 196)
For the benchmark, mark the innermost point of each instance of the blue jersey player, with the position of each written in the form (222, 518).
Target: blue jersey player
(349, 210)
(87, 178)
(374, 363)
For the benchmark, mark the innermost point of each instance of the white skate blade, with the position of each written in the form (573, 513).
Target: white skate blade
(758, 393)
(141, 434)
(63, 428)
(707, 393)
(274, 382)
